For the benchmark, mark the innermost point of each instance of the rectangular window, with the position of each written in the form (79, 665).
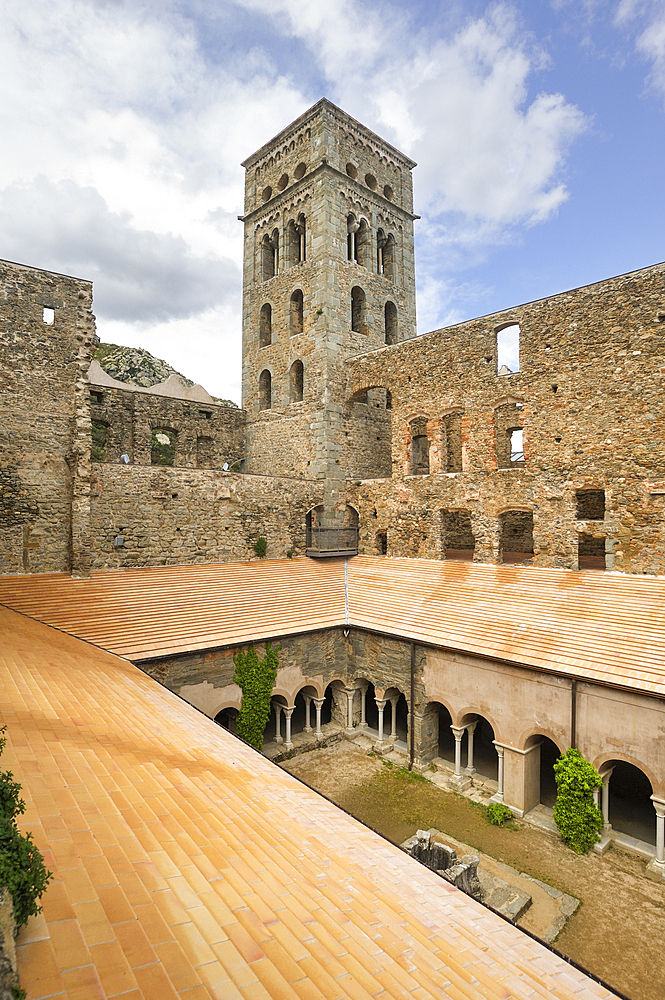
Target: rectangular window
(48, 315)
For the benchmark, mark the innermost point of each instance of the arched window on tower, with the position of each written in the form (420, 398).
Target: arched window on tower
(351, 233)
(301, 231)
(380, 244)
(296, 312)
(265, 325)
(296, 382)
(363, 244)
(270, 255)
(358, 310)
(391, 323)
(389, 262)
(265, 390)
(296, 242)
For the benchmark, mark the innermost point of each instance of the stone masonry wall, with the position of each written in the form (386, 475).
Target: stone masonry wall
(130, 416)
(589, 397)
(170, 516)
(45, 425)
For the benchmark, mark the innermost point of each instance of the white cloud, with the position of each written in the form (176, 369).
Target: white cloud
(650, 42)
(123, 127)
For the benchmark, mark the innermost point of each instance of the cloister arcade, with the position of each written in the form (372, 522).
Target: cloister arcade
(464, 744)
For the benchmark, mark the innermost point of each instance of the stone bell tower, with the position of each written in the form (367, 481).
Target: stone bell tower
(328, 274)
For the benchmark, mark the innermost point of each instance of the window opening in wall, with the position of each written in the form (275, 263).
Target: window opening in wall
(96, 397)
(48, 316)
(296, 382)
(206, 414)
(590, 552)
(296, 312)
(282, 182)
(457, 538)
(351, 231)
(363, 247)
(162, 449)
(98, 446)
(358, 310)
(508, 349)
(385, 254)
(590, 505)
(266, 194)
(270, 255)
(370, 181)
(205, 453)
(388, 192)
(419, 447)
(301, 232)
(300, 171)
(382, 543)
(265, 390)
(516, 444)
(265, 325)
(516, 536)
(452, 426)
(296, 241)
(352, 171)
(391, 334)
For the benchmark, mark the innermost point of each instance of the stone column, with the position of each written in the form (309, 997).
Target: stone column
(470, 729)
(308, 713)
(318, 705)
(498, 795)
(380, 704)
(605, 798)
(350, 693)
(288, 712)
(363, 706)
(393, 721)
(278, 721)
(656, 867)
(460, 782)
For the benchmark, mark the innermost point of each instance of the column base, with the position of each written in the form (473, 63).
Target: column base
(319, 736)
(601, 845)
(350, 733)
(308, 729)
(459, 782)
(655, 870)
(288, 745)
(497, 797)
(384, 746)
(469, 770)
(278, 739)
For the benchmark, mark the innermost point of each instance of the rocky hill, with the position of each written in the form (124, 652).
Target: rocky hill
(139, 367)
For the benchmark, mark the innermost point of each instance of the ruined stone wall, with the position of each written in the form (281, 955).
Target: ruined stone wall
(589, 397)
(130, 417)
(170, 516)
(45, 425)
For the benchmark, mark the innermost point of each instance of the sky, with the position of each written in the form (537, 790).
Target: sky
(538, 128)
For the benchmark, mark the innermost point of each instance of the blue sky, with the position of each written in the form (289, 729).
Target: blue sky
(538, 128)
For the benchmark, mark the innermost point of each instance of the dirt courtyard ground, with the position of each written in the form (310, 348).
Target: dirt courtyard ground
(618, 931)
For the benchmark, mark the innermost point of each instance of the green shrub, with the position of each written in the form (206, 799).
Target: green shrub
(22, 867)
(497, 814)
(578, 818)
(261, 547)
(256, 678)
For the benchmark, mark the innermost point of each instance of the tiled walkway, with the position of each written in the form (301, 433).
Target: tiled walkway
(187, 865)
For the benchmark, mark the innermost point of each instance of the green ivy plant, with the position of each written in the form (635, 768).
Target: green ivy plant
(22, 867)
(256, 678)
(578, 818)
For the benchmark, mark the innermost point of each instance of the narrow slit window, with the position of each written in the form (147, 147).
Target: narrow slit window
(517, 445)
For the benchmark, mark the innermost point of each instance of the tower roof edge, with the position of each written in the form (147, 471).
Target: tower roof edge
(312, 112)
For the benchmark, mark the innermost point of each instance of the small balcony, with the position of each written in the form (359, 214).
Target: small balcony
(326, 543)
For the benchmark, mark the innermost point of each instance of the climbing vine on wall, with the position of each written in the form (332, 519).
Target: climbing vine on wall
(256, 679)
(578, 818)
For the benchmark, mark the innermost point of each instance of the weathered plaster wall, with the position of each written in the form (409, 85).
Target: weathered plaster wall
(589, 397)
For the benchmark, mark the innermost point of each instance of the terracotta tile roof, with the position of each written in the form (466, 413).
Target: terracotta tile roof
(187, 865)
(143, 613)
(604, 626)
